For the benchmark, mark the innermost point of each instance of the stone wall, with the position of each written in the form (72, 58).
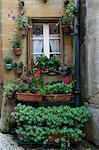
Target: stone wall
(90, 64)
(35, 9)
(90, 49)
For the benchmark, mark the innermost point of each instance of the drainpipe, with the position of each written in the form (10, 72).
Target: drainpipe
(77, 101)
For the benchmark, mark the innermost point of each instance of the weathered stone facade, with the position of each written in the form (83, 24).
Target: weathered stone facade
(90, 63)
(34, 9)
(89, 44)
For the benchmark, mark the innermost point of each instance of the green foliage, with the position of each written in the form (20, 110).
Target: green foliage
(42, 61)
(16, 42)
(21, 22)
(8, 87)
(29, 84)
(8, 59)
(68, 18)
(52, 64)
(18, 65)
(56, 88)
(39, 124)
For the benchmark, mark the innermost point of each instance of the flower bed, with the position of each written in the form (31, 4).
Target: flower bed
(61, 124)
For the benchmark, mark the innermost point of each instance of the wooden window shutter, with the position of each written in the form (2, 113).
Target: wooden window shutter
(61, 48)
(29, 50)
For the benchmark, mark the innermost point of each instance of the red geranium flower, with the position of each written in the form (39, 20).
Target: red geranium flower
(37, 74)
(66, 80)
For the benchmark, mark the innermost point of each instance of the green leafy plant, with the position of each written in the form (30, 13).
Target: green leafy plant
(29, 84)
(8, 59)
(8, 62)
(42, 62)
(53, 64)
(18, 65)
(16, 42)
(8, 87)
(68, 18)
(58, 88)
(22, 22)
(61, 124)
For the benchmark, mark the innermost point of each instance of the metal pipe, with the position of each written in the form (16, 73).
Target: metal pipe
(77, 101)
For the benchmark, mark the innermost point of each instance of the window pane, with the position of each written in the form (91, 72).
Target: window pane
(37, 46)
(53, 28)
(37, 29)
(54, 45)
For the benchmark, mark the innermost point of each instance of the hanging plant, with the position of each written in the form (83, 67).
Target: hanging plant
(44, 1)
(21, 6)
(16, 45)
(67, 19)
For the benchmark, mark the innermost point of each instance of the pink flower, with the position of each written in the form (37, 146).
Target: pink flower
(37, 93)
(20, 81)
(29, 26)
(25, 77)
(66, 80)
(13, 17)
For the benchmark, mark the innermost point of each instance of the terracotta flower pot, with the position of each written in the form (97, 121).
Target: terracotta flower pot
(28, 97)
(59, 97)
(22, 31)
(19, 70)
(65, 28)
(10, 95)
(44, 1)
(17, 51)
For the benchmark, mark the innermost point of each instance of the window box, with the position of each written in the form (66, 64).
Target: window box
(59, 97)
(28, 97)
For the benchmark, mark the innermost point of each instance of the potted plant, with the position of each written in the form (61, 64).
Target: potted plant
(27, 88)
(67, 20)
(8, 62)
(53, 65)
(44, 1)
(61, 91)
(8, 90)
(16, 45)
(42, 63)
(68, 70)
(22, 25)
(18, 67)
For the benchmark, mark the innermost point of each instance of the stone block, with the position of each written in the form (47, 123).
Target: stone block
(92, 130)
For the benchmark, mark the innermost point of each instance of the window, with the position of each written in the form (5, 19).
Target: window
(45, 39)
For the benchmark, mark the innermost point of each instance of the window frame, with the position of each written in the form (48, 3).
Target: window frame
(30, 38)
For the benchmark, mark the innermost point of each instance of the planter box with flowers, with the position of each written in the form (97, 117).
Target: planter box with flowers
(27, 87)
(60, 91)
(47, 65)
